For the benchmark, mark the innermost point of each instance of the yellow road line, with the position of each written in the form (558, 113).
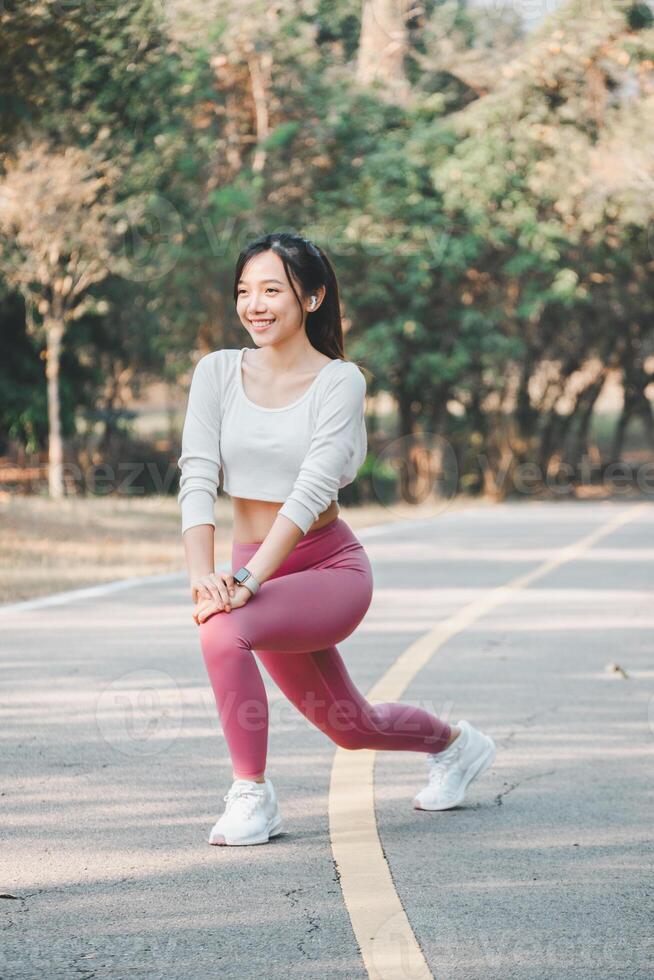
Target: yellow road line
(387, 942)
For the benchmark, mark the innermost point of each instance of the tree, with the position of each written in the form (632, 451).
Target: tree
(552, 175)
(58, 218)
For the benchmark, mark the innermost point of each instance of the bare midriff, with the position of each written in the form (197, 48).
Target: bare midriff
(254, 518)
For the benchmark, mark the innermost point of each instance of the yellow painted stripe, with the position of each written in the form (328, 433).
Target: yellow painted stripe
(387, 942)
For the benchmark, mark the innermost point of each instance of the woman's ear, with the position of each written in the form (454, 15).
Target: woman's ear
(316, 298)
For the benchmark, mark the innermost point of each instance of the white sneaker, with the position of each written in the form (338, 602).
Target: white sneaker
(450, 771)
(251, 815)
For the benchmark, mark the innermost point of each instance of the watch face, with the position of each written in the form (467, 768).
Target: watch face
(241, 575)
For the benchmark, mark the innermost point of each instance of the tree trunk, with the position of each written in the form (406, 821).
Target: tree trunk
(635, 407)
(382, 47)
(586, 403)
(259, 67)
(54, 332)
(525, 415)
(618, 435)
(405, 415)
(648, 419)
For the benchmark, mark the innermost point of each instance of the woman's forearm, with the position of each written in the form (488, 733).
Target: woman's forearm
(199, 548)
(275, 547)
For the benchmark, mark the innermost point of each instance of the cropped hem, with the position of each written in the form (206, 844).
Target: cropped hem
(253, 494)
(299, 514)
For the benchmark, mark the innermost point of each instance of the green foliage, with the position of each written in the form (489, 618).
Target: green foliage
(492, 235)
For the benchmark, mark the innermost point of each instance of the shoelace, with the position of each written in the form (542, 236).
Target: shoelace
(438, 766)
(239, 794)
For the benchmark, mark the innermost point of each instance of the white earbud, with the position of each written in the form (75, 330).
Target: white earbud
(313, 301)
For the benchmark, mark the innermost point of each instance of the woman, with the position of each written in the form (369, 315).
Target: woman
(284, 420)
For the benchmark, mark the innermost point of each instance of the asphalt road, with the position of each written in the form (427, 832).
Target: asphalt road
(114, 768)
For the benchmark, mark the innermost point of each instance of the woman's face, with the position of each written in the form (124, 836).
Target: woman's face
(265, 302)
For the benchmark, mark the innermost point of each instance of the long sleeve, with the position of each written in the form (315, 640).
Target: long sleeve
(200, 459)
(333, 444)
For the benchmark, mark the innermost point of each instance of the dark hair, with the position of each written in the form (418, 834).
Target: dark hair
(308, 265)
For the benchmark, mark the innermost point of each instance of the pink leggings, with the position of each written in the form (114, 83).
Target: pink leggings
(315, 599)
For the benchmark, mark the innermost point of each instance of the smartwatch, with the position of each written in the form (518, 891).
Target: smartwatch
(245, 577)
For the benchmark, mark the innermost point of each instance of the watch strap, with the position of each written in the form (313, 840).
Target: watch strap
(248, 580)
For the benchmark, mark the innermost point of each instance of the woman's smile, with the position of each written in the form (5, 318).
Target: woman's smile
(261, 324)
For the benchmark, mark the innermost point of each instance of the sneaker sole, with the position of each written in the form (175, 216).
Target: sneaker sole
(275, 829)
(475, 769)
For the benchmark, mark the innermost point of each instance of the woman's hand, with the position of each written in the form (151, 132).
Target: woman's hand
(205, 608)
(218, 586)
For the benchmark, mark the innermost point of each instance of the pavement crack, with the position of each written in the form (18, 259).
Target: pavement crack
(535, 775)
(313, 925)
(291, 893)
(312, 919)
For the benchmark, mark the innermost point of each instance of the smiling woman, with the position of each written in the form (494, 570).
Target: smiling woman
(290, 313)
(286, 426)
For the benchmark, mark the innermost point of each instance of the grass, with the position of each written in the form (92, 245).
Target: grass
(50, 546)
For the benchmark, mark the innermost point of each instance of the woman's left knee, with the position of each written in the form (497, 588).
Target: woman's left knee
(220, 638)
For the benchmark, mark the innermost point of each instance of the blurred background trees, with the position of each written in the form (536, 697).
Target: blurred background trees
(485, 192)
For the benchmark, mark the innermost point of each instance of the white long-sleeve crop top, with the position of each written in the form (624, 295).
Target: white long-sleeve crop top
(301, 453)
